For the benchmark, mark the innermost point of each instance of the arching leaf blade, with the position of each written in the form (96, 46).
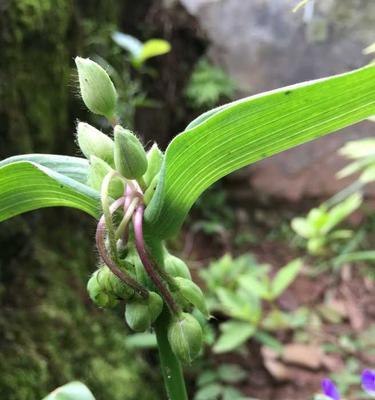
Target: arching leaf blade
(73, 167)
(26, 186)
(250, 130)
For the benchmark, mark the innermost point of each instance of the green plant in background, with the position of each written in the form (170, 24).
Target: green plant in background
(319, 227)
(219, 383)
(143, 198)
(140, 52)
(237, 288)
(208, 84)
(126, 70)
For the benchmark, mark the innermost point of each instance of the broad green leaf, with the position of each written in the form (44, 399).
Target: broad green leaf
(73, 167)
(26, 186)
(269, 341)
(231, 373)
(71, 391)
(249, 130)
(211, 391)
(234, 334)
(253, 285)
(153, 48)
(285, 277)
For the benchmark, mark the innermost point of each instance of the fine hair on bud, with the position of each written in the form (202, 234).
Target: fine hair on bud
(175, 266)
(98, 294)
(185, 337)
(97, 90)
(129, 154)
(92, 142)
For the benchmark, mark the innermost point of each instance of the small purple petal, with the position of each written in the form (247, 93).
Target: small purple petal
(368, 381)
(330, 390)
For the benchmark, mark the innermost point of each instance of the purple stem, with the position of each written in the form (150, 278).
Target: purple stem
(140, 245)
(100, 244)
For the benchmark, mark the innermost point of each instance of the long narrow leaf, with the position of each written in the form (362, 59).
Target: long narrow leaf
(250, 130)
(73, 167)
(26, 186)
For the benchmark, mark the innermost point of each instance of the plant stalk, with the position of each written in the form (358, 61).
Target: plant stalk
(171, 368)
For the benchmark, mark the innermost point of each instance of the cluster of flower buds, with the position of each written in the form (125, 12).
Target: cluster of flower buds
(126, 177)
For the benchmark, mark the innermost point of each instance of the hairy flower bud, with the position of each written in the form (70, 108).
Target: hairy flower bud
(113, 285)
(155, 159)
(92, 142)
(193, 294)
(97, 171)
(141, 313)
(176, 267)
(97, 294)
(185, 337)
(97, 89)
(130, 156)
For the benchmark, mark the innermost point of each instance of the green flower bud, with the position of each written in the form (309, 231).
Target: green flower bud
(97, 171)
(99, 296)
(97, 89)
(185, 337)
(141, 313)
(193, 294)
(176, 267)
(92, 142)
(155, 159)
(130, 156)
(113, 285)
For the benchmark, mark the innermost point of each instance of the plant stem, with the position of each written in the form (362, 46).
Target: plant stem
(171, 368)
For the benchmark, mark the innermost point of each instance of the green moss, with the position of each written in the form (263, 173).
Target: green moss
(53, 334)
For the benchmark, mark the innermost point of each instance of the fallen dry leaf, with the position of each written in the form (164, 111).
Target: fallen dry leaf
(308, 356)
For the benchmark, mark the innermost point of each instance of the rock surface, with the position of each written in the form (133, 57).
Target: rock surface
(263, 45)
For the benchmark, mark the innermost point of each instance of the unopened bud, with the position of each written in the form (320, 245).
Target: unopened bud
(130, 156)
(185, 337)
(97, 89)
(193, 294)
(97, 171)
(176, 267)
(155, 159)
(92, 142)
(97, 294)
(141, 313)
(113, 285)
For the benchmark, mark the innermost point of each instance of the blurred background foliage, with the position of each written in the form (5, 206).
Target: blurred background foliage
(287, 266)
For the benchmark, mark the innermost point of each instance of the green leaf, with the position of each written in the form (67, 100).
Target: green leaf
(153, 48)
(231, 373)
(234, 334)
(249, 130)
(73, 167)
(26, 186)
(71, 391)
(285, 277)
(211, 391)
(341, 211)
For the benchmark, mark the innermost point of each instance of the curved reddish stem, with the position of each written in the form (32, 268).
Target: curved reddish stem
(140, 245)
(100, 244)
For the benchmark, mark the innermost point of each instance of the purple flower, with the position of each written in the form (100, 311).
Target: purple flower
(368, 381)
(330, 390)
